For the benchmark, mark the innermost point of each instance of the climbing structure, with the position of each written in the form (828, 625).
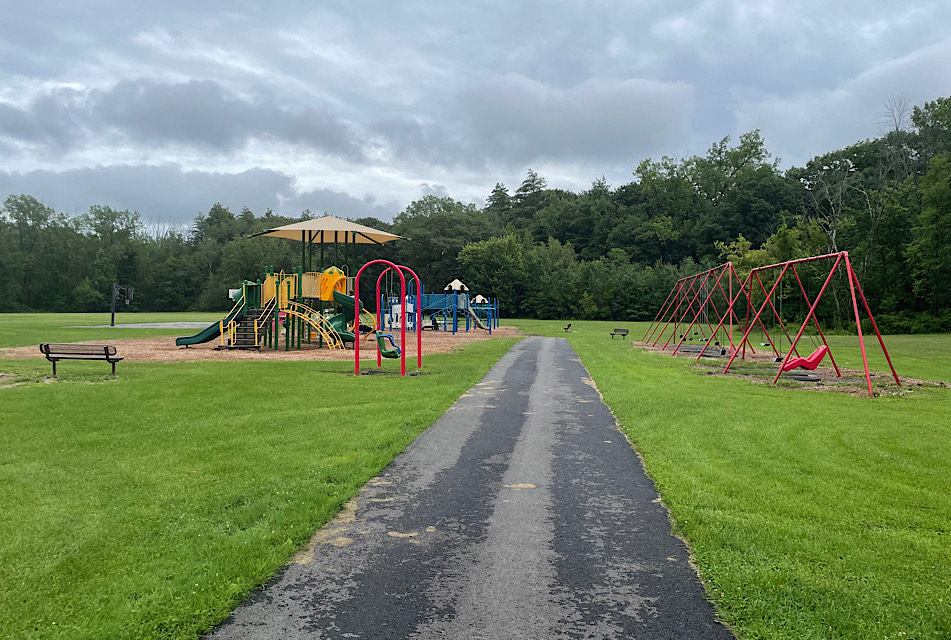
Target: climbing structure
(301, 306)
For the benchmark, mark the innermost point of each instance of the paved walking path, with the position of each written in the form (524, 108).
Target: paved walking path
(522, 513)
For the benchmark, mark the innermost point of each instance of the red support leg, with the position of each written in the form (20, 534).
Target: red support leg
(877, 333)
(858, 324)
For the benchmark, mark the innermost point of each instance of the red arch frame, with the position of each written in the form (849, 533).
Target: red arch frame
(419, 315)
(356, 333)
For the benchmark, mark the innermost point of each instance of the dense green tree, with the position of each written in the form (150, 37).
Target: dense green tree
(438, 228)
(930, 252)
(933, 124)
(496, 268)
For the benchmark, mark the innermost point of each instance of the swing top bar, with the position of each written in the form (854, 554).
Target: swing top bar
(720, 267)
(827, 256)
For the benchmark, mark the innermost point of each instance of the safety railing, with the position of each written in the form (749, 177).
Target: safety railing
(310, 284)
(318, 323)
(227, 333)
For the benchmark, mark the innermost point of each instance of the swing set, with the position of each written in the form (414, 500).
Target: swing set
(704, 295)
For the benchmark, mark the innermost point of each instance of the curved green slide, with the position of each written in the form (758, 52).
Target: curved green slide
(341, 320)
(214, 330)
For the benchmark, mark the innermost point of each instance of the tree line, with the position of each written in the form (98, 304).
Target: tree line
(604, 253)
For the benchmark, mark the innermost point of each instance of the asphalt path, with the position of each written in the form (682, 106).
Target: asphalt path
(521, 513)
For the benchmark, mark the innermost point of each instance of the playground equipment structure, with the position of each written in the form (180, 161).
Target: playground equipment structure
(710, 295)
(300, 303)
(445, 309)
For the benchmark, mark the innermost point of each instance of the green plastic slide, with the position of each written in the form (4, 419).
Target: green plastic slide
(214, 330)
(341, 321)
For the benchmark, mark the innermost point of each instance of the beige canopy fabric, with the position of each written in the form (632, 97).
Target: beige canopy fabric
(456, 285)
(330, 229)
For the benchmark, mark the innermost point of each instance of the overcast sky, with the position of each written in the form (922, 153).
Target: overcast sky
(358, 108)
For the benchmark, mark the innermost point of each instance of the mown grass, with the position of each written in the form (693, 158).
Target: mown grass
(148, 506)
(22, 329)
(811, 514)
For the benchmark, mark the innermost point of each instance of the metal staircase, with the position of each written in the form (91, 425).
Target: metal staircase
(248, 331)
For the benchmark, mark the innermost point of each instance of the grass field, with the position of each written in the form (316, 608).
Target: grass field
(22, 329)
(811, 514)
(148, 506)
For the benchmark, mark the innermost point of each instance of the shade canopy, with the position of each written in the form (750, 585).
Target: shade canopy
(456, 285)
(329, 230)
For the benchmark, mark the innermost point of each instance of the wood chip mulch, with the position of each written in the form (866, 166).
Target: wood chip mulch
(164, 349)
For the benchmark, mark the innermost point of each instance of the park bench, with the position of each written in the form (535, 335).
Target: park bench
(619, 332)
(55, 352)
(568, 327)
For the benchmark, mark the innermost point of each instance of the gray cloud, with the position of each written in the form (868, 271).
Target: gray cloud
(524, 120)
(811, 123)
(197, 113)
(171, 195)
(381, 97)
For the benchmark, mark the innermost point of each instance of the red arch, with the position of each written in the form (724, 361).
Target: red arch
(356, 333)
(419, 315)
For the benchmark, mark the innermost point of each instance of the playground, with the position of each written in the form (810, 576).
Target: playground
(195, 477)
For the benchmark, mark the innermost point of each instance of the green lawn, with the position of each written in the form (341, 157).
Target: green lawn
(22, 329)
(148, 506)
(810, 514)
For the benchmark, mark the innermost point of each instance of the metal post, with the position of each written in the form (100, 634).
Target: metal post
(115, 294)
(858, 322)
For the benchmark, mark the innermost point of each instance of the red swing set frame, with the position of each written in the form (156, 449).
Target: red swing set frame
(701, 297)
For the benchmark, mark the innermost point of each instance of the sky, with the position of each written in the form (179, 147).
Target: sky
(358, 108)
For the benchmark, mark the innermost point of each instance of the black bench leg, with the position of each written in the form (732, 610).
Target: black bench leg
(54, 367)
(113, 369)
